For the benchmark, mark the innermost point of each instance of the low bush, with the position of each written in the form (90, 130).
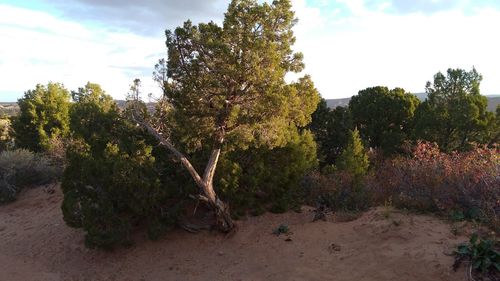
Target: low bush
(341, 187)
(462, 185)
(109, 192)
(6, 141)
(483, 255)
(261, 179)
(116, 180)
(21, 168)
(338, 191)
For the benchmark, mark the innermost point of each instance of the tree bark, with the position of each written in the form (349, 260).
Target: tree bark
(223, 218)
(222, 214)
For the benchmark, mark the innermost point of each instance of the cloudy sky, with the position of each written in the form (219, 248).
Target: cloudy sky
(348, 44)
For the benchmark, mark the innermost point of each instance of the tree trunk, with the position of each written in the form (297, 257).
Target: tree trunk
(223, 218)
(222, 214)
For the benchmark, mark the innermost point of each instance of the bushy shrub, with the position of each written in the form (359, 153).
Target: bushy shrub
(6, 141)
(341, 187)
(117, 177)
(463, 183)
(483, 255)
(337, 191)
(114, 180)
(353, 158)
(43, 115)
(108, 192)
(21, 168)
(261, 178)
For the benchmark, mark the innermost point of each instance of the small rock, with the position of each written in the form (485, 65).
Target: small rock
(334, 248)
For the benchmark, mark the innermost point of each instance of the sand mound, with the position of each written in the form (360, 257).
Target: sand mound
(35, 244)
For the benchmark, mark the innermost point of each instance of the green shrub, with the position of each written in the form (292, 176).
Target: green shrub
(43, 116)
(483, 254)
(6, 141)
(117, 178)
(341, 187)
(353, 159)
(258, 179)
(114, 180)
(21, 168)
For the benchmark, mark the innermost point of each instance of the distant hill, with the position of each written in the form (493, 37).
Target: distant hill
(493, 101)
(150, 105)
(11, 108)
(8, 108)
(332, 103)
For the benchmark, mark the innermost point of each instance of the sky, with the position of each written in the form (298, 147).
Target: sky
(348, 45)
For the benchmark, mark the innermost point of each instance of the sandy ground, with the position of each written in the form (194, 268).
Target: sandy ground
(35, 244)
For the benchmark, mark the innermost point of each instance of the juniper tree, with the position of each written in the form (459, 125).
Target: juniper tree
(43, 116)
(331, 131)
(384, 117)
(455, 113)
(224, 88)
(354, 158)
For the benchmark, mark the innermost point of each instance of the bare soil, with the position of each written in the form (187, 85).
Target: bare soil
(35, 244)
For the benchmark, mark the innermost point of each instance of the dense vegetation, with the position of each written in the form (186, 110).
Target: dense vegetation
(231, 133)
(43, 117)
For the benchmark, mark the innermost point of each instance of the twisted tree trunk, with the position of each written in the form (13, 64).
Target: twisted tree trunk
(223, 218)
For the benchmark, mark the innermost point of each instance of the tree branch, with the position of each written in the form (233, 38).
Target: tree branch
(164, 142)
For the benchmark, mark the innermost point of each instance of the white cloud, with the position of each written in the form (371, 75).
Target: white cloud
(343, 52)
(37, 48)
(372, 48)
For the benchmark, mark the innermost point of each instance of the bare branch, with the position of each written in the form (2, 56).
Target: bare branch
(164, 142)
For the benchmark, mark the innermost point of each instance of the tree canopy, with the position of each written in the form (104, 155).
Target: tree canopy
(353, 158)
(331, 130)
(112, 180)
(43, 116)
(229, 80)
(383, 117)
(225, 89)
(455, 113)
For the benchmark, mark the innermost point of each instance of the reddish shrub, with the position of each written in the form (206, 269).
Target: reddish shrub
(339, 190)
(466, 183)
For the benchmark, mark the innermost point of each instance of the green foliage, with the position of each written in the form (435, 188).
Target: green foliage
(264, 178)
(281, 229)
(384, 117)
(229, 80)
(341, 187)
(338, 191)
(354, 159)
(455, 113)
(21, 168)
(225, 88)
(113, 181)
(483, 254)
(491, 135)
(43, 116)
(93, 115)
(5, 134)
(331, 131)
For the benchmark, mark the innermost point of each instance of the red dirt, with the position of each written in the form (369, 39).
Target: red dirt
(35, 244)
